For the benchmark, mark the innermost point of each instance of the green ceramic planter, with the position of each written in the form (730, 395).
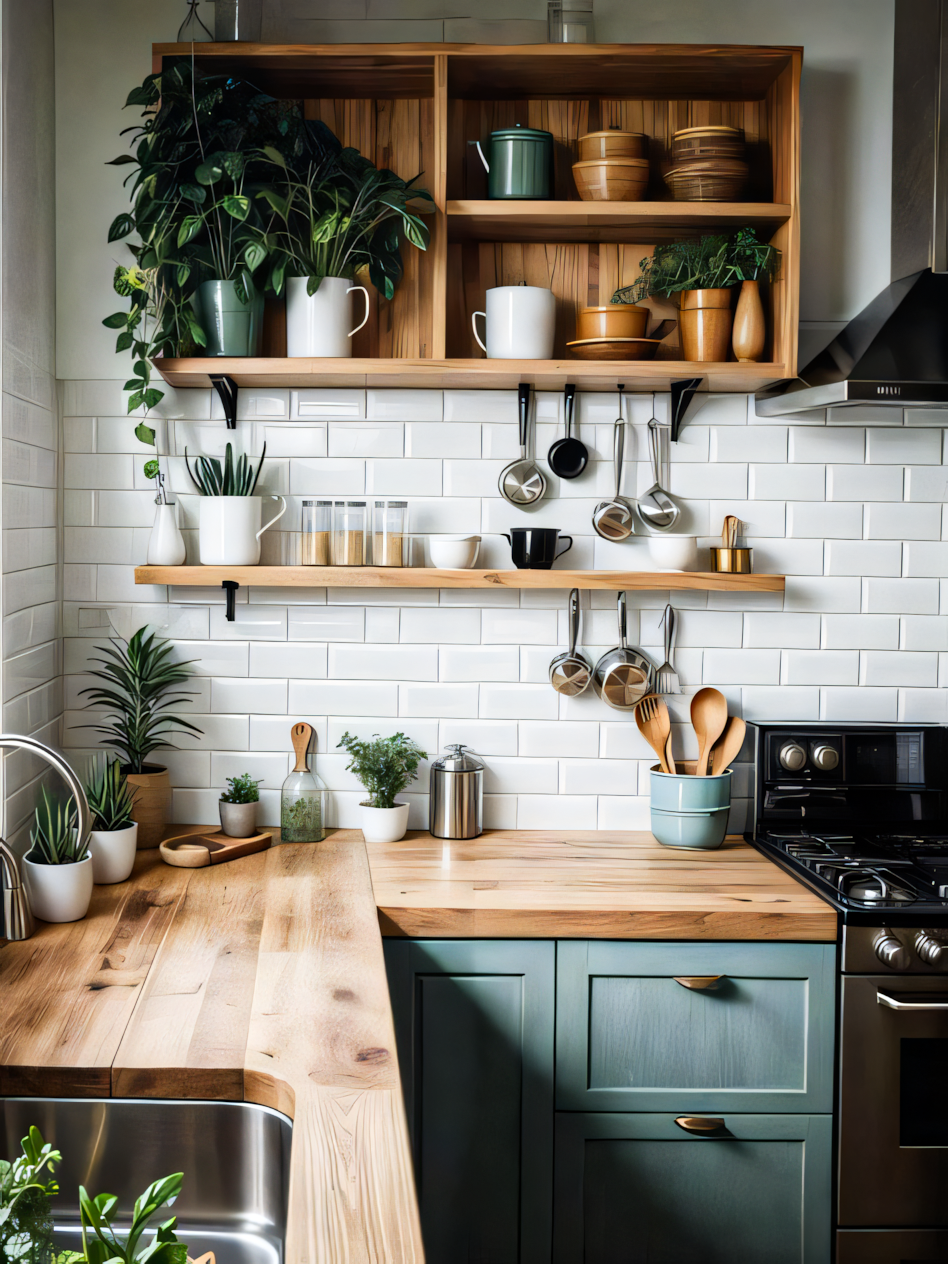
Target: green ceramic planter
(232, 328)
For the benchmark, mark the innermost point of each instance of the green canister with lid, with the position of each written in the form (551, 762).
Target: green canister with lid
(521, 163)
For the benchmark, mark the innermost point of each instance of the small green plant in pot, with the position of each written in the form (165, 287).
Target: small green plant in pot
(138, 697)
(385, 766)
(58, 866)
(230, 518)
(238, 806)
(114, 838)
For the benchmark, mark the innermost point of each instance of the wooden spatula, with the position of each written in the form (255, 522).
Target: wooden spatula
(709, 716)
(728, 745)
(651, 715)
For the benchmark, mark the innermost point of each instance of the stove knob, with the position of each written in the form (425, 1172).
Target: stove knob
(891, 951)
(792, 756)
(930, 949)
(825, 757)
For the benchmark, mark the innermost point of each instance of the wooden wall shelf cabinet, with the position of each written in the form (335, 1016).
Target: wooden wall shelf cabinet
(416, 107)
(431, 577)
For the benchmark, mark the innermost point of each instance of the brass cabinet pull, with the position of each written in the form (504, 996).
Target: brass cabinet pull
(700, 1125)
(700, 982)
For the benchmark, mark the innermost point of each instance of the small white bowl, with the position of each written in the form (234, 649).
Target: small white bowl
(453, 552)
(674, 552)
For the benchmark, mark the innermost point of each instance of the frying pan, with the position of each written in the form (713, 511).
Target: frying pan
(567, 457)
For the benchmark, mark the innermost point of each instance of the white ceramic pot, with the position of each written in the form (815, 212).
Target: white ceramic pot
(453, 552)
(520, 322)
(59, 893)
(673, 552)
(229, 529)
(321, 324)
(166, 543)
(238, 820)
(384, 825)
(113, 854)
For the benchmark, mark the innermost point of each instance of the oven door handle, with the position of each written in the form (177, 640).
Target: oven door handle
(892, 1002)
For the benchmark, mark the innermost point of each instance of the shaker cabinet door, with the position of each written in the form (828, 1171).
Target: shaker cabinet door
(640, 1190)
(474, 1025)
(694, 1026)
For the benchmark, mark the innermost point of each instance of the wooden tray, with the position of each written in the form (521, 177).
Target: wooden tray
(195, 851)
(614, 348)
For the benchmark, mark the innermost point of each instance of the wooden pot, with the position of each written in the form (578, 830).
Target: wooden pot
(749, 326)
(611, 179)
(612, 144)
(704, 323)
(152, 806)
(615, 320)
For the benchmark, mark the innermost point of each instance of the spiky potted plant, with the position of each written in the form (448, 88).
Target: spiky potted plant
(114, 838)
(385, 766)
(238, 806)
(58, 866)
(229, 525)
(137, 697)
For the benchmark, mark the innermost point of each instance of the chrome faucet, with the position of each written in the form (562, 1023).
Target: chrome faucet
(17, 916)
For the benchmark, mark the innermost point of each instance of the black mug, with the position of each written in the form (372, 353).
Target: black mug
(535, 548)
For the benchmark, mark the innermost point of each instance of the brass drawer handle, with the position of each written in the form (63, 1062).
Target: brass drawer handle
(700, 1125)
(701, 982)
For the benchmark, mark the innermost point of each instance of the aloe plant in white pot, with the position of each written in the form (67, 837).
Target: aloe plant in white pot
(58, 866)
(114, 838)
(229, 527)
(385, 766)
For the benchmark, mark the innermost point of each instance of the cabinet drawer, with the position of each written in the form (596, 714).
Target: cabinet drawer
(637, 1188)
(631, 1038)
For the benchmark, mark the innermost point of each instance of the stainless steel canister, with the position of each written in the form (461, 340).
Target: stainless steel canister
(456, 795)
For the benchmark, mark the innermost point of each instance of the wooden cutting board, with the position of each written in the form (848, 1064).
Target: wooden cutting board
(195, 851)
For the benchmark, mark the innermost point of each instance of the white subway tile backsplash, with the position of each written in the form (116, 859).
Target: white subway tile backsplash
(897, 667)
(440, 627)
(519, 627)
(860, 632)
(699, 482)
(86, 471)
(784, 482)
(788, 557)
(873, 705)
(325, 623)
(556, 812)
(516, 702)
(753, 443)
(903, 447)
(479, 662)
(807, 520)
(341, 697)
(570, 739)
(480, 406)
(328, 478)
(382, 624)
(864, 483)
(435, 439)
(760, 517)
(264, 697)
(736, 667)
(391, 662)
(825, 593)
(624, 812)
(484, 737)
(348, 439)
(299, 660)
(903, 522)
(923, 706)
(773, 630)
(441, 701)
(402, 477)
(251, 623)
(403, 405)
(273, 733)
(599, 776)
(269, 770)
(471, 477)
(520, 776)
(923, 560)
(343, 403)
(820, 667)
(926, 482)
(923, 632)
(863, 557)
(900, 596)
(822, 445)
(788, 702)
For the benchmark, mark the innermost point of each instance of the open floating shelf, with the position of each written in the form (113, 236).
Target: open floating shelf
(431, 577)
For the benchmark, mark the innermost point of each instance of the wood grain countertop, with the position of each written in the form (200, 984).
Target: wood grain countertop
(263, 980)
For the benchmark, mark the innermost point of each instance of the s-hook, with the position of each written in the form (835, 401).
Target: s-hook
(230, 587)
(226, 388)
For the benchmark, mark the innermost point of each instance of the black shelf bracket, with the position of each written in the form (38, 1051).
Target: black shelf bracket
(684, 403)
(230, 587)
(226, 388)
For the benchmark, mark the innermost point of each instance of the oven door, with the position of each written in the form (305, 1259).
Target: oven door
(893, 1123)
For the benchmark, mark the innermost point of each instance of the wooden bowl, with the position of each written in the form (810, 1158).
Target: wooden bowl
(611, 179)
(612, 144)
(707, 142)
(614, 348)
(615, 320)
(708, 180)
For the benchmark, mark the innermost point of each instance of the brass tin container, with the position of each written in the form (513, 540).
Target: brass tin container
(732, 561)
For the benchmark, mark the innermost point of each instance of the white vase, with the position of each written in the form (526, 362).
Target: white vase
(384, 825)
(166, 543)
(113, 854)
(320, 324)
(229, 529)
(59, 893)
(238, 820)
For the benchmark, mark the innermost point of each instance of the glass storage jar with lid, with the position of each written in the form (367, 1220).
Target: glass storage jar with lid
(390, 539)
(316, 546)
(349, 533)
(303, 797)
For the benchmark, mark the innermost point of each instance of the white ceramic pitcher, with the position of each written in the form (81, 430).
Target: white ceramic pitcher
(320, 324)
(229, 529)
(520, 321)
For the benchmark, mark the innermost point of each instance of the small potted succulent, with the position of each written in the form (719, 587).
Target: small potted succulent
(229, 527)
(58, 866)
(238, 806)
(114, 838)
(385, 766)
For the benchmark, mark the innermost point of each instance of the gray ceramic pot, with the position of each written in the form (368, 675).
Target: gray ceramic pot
(238, 820)
(232, 328)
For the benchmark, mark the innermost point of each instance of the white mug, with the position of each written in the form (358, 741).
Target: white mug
(229, 529)
(520, 321)
(318, 324)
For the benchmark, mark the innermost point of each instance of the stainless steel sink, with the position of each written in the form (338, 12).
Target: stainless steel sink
(235, 1157)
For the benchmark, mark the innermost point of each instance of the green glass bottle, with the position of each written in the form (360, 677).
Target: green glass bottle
(303, 798)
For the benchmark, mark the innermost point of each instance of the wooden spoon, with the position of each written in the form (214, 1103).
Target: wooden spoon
(728, 745)
(651, 715)
(709, 716)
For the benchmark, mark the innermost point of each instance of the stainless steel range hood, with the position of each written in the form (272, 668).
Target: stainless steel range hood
(895, 352)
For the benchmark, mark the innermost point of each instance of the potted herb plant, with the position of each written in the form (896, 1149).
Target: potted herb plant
(137, 697)
(385, 766)
(58, 866)
(114, 838)
(333, 218)
(229, 527)
(26, 1185)
(238, 806)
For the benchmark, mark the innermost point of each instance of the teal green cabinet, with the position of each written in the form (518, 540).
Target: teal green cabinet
(637, 1029)
(636, 1189)
(474, 1026)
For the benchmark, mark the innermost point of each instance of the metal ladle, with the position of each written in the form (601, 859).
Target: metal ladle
(656, 508)
(521, 482)
(615, 519)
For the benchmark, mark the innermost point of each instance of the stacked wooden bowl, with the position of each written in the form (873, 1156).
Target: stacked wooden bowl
(707, 164)
(613, 332)
(612, 167)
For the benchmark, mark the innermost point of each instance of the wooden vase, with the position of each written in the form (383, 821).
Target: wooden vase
(152, 804)
(749, 326)
(704, 322)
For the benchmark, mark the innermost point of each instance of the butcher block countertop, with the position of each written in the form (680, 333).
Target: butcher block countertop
(263, 980)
